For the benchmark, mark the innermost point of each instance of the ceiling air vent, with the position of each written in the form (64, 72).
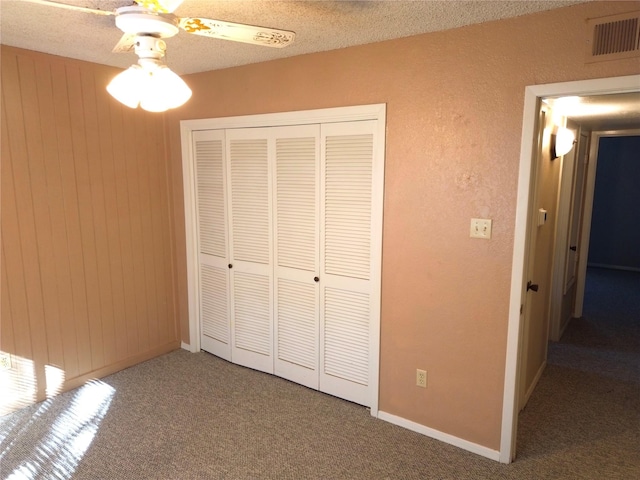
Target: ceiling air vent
(613, 37)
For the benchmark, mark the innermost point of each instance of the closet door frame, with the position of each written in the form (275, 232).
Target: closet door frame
(375, 112)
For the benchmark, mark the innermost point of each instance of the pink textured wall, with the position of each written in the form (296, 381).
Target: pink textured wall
(454, 118)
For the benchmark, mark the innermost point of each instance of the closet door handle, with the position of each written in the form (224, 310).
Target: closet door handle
(573, 248)
(316, 279)
(532, 286)
(230, 265)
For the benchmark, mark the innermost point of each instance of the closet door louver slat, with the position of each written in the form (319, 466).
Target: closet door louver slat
(252, 317)
(250, 200)
(211, 208)
(346, 332)
(347, 223)
(297, 324)
(296, 202)
(214, 308)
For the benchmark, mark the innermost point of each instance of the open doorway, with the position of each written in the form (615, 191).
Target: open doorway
(527, 215)
(587, 399)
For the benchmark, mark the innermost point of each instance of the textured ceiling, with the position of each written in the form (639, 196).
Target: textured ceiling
(319, 26)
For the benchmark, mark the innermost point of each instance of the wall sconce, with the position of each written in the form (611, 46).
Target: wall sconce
(561, 142)
(150, 84)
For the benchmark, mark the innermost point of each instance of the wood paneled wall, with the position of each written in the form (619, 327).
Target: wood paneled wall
(87, 267)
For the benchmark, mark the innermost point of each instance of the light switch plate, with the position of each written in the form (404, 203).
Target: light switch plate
(542, 217)
(480, 228)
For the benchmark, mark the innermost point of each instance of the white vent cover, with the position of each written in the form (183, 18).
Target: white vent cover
(613, 37)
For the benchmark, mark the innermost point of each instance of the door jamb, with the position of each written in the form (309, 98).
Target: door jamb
(599, 86)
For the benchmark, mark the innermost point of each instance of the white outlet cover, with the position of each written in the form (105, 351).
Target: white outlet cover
(480, 228)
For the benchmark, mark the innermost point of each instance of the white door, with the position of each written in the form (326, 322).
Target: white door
(347, 245)
(575, 224)
(208, 148)
(534, 307)
(296, 245)
(250, 249)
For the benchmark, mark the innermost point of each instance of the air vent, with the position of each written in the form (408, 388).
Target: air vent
(614, 37)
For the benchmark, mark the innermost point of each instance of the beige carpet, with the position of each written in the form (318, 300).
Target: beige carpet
(194, 416)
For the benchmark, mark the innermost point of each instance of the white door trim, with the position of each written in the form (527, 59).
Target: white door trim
(599, 86)
(329, 115)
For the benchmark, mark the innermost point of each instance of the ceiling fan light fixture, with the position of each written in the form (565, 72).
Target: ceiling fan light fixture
(164, 90)
(151, 85)
(126, 87)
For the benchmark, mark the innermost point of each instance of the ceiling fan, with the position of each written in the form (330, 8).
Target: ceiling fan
(150, 84)
(155, 18)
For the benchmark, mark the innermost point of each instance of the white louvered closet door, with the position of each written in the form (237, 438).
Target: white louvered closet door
(250, 232)
(296, 242)
(208, 148)
(348, 217)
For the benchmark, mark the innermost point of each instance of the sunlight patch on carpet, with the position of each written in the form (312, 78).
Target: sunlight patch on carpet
(58, 453)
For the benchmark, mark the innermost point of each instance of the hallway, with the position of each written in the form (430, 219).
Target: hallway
(587, 403)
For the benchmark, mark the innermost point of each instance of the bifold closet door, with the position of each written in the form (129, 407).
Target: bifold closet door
(250, 247)
(296, 242)
(349, 212)
(289, 230)
(208, 150)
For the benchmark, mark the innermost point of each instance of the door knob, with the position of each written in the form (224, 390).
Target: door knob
(316, 279)
(230, 266)
(532, 286)
(573, 248)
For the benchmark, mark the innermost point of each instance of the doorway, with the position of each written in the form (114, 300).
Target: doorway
(526, 193)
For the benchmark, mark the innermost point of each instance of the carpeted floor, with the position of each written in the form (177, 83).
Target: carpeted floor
(194, 416)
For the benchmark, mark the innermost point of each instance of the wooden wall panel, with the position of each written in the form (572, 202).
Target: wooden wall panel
(48, 193)
(87, 267)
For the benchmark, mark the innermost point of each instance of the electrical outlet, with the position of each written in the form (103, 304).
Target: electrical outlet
(421, 378)
(5, 361)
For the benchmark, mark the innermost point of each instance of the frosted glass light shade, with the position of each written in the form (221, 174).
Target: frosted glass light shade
(164, 90)
(126, 87)
(155, 89)
(561, 142)
(564, 141)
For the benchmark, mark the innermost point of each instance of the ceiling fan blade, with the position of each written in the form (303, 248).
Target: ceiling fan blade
(66, 6)
(237, 32)
(160, 6)
(125, 44)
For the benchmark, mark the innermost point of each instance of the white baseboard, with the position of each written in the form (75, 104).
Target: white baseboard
(186, 346)
(438, 435)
